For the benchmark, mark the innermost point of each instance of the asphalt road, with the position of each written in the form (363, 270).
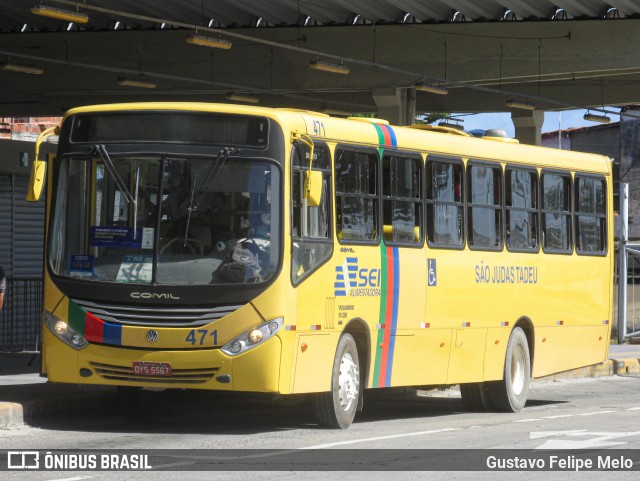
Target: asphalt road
(587, 414)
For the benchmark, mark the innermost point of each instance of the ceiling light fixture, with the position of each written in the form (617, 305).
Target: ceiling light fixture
(329, 67)
(140, 83)
(603, 119)
(69, 16)
(209, 42)
(17, 67)
(242, 98)
(432, 89)
(515, 104)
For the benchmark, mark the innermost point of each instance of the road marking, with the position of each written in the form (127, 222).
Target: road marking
(558, 416)
(601, 439)
(634, 409)
(547, 434)
(77, 478)
(171, 465)
(380, 438)
(597, 412)
(526, 420)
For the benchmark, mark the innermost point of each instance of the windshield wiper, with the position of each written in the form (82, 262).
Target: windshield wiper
(108, 163)
(212, 172)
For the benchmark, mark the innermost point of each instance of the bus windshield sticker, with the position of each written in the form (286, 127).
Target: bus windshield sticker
(122, 237)
(80, 265)
(147, 238)
(135, 268)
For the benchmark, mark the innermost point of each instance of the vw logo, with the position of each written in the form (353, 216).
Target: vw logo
(152, 336)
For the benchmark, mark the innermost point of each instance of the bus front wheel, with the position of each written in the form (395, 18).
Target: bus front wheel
(337, 408)
(510, 394)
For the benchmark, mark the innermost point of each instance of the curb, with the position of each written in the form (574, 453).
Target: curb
(11, 414)
(611, 367)
(626, 366)
(35, 412)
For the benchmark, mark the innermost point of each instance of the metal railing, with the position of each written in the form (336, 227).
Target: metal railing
(20, 326)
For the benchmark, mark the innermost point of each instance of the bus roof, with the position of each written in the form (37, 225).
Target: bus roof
(366, 131)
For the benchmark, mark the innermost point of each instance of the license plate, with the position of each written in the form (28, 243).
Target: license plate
(142, 368)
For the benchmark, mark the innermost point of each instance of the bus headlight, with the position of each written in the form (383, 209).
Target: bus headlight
(253, 337)
(63, 331)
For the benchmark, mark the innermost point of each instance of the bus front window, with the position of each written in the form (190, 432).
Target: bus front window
(173, 220)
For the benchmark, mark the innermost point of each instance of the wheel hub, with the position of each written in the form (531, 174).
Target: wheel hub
(517, 370)
(349, 382)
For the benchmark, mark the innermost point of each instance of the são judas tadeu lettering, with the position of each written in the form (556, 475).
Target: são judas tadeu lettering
(497, 274)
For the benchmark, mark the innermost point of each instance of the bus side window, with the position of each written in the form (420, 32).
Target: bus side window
(311, 246)
(401, 199)
(590, 215)
(356, 195)
(484, 206)
(556, 212)
(444, 202)
(521, 209)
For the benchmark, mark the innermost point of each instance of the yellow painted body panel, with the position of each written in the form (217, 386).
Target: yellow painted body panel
(467, 355)
(313, 372)
(431, 360)
(453, 331)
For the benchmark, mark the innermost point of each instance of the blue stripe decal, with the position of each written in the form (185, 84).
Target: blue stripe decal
(392, 134)
(394, 319)
(112, 334)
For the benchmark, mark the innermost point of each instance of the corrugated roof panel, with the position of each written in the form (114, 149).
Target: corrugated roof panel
(589, 8)
(243, 13)
(539, 9)
(276, 12)
(626, 7)
(435, 10)
(373, 10)
(475, 9)
(326, 12)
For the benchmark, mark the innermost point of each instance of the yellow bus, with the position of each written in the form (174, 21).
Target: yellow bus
(249, 249)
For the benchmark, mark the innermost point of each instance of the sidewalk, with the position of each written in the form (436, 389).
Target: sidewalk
(26, 398)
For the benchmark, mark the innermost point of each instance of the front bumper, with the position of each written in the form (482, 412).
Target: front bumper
(257, 370)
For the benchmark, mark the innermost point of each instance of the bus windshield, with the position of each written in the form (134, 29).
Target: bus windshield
(166, 220)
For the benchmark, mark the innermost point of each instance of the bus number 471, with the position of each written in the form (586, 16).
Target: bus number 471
(198, 336)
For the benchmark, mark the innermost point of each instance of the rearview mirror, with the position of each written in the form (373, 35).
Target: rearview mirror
(39, 168)
(36, 180)
(313, 187)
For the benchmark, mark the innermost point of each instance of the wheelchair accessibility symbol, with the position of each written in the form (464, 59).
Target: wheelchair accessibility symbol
(432, 274)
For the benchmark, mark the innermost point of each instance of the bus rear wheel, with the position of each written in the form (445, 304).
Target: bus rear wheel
(337, 408)
(510, 394)
(475, 397)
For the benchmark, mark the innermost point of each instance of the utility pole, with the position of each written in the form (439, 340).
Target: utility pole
(622, 264)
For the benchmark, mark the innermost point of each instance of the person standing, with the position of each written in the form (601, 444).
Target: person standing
(3, 286)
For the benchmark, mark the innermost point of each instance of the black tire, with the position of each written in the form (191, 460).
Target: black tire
(510, 394)
(337, 408)
(475, 397)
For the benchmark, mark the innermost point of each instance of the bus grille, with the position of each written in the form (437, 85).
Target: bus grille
(160, 316)
(178, 376)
